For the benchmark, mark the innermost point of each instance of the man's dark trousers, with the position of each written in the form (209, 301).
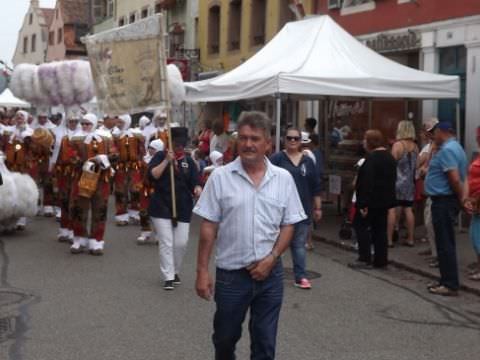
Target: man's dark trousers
(235, 293)
(444, 212)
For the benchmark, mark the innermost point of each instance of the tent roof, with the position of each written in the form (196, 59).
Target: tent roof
(8, 100)
(316, 57)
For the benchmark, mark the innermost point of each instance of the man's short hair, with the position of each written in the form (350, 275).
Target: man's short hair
(256, 120)
(311, 122)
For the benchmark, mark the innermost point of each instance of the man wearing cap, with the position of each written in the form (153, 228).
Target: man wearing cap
(444, 185)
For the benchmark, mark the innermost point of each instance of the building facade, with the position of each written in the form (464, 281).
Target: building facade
(438, 36)
(231, 31)
(70, 22)
(33, 36)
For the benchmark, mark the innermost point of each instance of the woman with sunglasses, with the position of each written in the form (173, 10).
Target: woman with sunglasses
(302, 169)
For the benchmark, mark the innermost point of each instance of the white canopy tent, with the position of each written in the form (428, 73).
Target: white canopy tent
(316, 58)
(8, 100)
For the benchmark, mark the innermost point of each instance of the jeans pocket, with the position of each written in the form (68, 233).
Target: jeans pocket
(223, 277)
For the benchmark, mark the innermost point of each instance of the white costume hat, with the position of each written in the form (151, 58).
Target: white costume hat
(91, 118)
(306, 138)
(161, 113)
(157, 145)
(144, 121)
(127, 121)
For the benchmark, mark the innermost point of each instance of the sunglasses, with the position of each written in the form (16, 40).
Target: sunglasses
(293, 138)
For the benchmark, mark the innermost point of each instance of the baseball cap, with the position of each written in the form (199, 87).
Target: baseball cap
(444, 125)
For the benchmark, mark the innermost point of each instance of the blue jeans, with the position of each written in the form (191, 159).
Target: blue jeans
(299, 253)
(444, 211)
(235, 293)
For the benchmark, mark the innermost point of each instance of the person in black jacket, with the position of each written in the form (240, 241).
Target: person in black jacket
(375, 188)
(172, 234)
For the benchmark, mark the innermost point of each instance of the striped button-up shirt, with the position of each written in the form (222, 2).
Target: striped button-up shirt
(249, 218)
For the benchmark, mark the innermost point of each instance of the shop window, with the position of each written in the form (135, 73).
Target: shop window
(234, 24)
(25, 45)
(34, 43)
(286, 14)
(99, 9)
(214, 30)
(144, 13)
(51, 38)
(60, 36)
(258, 22)
(132, 18)
(110, 8)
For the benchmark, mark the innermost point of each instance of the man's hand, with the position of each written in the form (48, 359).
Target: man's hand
(364, 212)
(204, 285)
(317, 215)
(197, 191)
(468, 206)
(259, 271)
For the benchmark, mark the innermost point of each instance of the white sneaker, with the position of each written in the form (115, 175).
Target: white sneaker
(63, 235)
(122, 220)
(144, 237)
(58, 213)
(95, 247)
(48, 211)
(21, 223)
(134, 216)
(79, 244)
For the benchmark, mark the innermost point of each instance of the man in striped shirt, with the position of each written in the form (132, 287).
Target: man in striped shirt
(249, 208)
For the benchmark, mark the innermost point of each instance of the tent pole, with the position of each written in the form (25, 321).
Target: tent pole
(457, 120)
(326, 133)
(278, 114)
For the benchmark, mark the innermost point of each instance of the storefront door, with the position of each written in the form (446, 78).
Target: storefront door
(453, 62)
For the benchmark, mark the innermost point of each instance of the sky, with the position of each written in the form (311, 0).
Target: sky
(11, 19)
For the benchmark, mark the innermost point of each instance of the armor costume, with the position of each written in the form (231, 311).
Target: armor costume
(90, 149)
(63, 161)
(128, 181)
(17, 150)
(146, 191)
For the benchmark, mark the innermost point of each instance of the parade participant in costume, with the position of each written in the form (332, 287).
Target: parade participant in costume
(63, 161)
(41, 160)
(172, 237)
(128, 175)
(146, 191)
(92, 152)
(144, 122)
(159, 128)
(216, 159)
(17, 150)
